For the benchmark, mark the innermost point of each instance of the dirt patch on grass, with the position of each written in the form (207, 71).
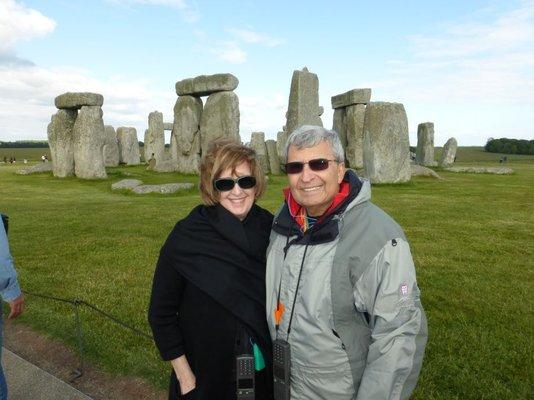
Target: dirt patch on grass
(60, 361)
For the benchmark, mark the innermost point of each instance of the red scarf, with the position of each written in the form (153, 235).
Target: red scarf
(299, 213)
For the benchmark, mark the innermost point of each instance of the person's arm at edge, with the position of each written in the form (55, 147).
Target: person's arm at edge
(9, 285)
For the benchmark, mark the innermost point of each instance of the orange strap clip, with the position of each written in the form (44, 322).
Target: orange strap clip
(279, 312)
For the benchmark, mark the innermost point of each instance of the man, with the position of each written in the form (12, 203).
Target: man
(9, 290)
(341, 286)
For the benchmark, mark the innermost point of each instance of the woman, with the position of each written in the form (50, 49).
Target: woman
(208, 295)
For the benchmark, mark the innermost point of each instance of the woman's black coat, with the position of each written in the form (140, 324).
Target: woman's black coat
(208, 286)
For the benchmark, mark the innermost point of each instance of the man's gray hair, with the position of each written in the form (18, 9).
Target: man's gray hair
(308, 136)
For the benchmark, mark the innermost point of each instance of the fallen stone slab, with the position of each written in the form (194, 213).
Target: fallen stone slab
(166, 188)
(419, 170)
(204, 85)
(75, 100)
(482, 170)
(126, 184)
(355, 96)
(36, 169)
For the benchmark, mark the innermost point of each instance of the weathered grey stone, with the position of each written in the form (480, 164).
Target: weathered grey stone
(449, 153)
(185, 137)
(155, 138)
(425, 144)
(167, 126)
(281, 139)
(355, 96)
(257, 142)
(126, 184)
(220, 118)
(76, 100)
(303, 107)
(354, 119)
(205, 85)
(419, 170)
(386, 145)
(36, 169)
(166, 188)
(89, 138)
(60, 141)
(482, 170)
(339, 126)
(111, 147)
(166, 166)
(272, 155)
(128, 145)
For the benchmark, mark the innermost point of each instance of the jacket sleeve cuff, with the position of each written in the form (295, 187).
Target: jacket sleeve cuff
(11, 292)
(173, 353)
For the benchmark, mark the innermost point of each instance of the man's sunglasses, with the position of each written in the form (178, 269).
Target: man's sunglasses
(227, 184)
(318, 164)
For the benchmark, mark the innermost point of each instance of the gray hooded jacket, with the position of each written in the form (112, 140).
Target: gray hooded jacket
(358, 329)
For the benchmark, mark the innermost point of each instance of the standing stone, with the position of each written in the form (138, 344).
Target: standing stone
(220, 118)
(339, 125)
(449, 153)
(89, 138)
(111, 147)
(354, 120)
(281, 139)
(185, 137)
(257, 142)
(155, 138)
(425, 144)
(386, 144)
(272, 155)
(303, 108)
(60, 140)
(128, 146)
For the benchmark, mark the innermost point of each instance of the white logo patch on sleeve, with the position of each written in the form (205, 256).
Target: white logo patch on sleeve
(404, 290)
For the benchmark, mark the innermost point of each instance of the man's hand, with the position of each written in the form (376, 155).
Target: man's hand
(17, 307)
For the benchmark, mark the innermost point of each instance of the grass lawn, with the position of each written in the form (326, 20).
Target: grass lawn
(472, 238)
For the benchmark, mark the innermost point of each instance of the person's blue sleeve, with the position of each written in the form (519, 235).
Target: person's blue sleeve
(9, 285)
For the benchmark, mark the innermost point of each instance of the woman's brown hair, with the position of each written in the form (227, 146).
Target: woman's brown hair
(223, 154)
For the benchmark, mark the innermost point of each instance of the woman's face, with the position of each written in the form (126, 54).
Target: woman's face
(238, 201)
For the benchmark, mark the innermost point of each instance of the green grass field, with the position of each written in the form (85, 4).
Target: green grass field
(472, 239)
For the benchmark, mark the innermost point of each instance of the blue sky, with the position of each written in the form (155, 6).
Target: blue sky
(468, 66)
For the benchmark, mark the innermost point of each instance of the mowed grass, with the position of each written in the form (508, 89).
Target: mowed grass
(472, 240)
(31, 154)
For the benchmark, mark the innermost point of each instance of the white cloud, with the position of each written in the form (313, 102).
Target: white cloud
(229, 51)
(28, 93)
(250, 36)
(264, 113)
(18, 23)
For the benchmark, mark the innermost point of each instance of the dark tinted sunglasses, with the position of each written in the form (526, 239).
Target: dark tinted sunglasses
(318, 164)
(227, 184)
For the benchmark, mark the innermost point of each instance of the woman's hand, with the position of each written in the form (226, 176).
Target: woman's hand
(183, 372)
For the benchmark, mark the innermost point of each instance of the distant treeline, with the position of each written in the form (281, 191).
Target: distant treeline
(510, 146)
(24, 144)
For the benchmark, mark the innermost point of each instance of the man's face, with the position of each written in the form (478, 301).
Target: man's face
(315, 190)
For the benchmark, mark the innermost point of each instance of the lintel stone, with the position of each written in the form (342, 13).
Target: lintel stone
(205, 85)
(76, 100)
(355, 96)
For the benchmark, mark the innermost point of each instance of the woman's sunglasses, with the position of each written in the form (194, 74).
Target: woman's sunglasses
(227, 184)
(318, 164)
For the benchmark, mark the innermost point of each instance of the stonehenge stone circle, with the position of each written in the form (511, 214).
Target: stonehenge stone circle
(155, 138)
(88, 143)
(257, 142)
(205, 85)
(60, 140)
(425, 144)
(111, 147)
(349, 113)
(272, 155)
(72, 100)
(128, 145)
(386, 144)
(185, 137)
(303, 107)
(220, 118)
(449, 153)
